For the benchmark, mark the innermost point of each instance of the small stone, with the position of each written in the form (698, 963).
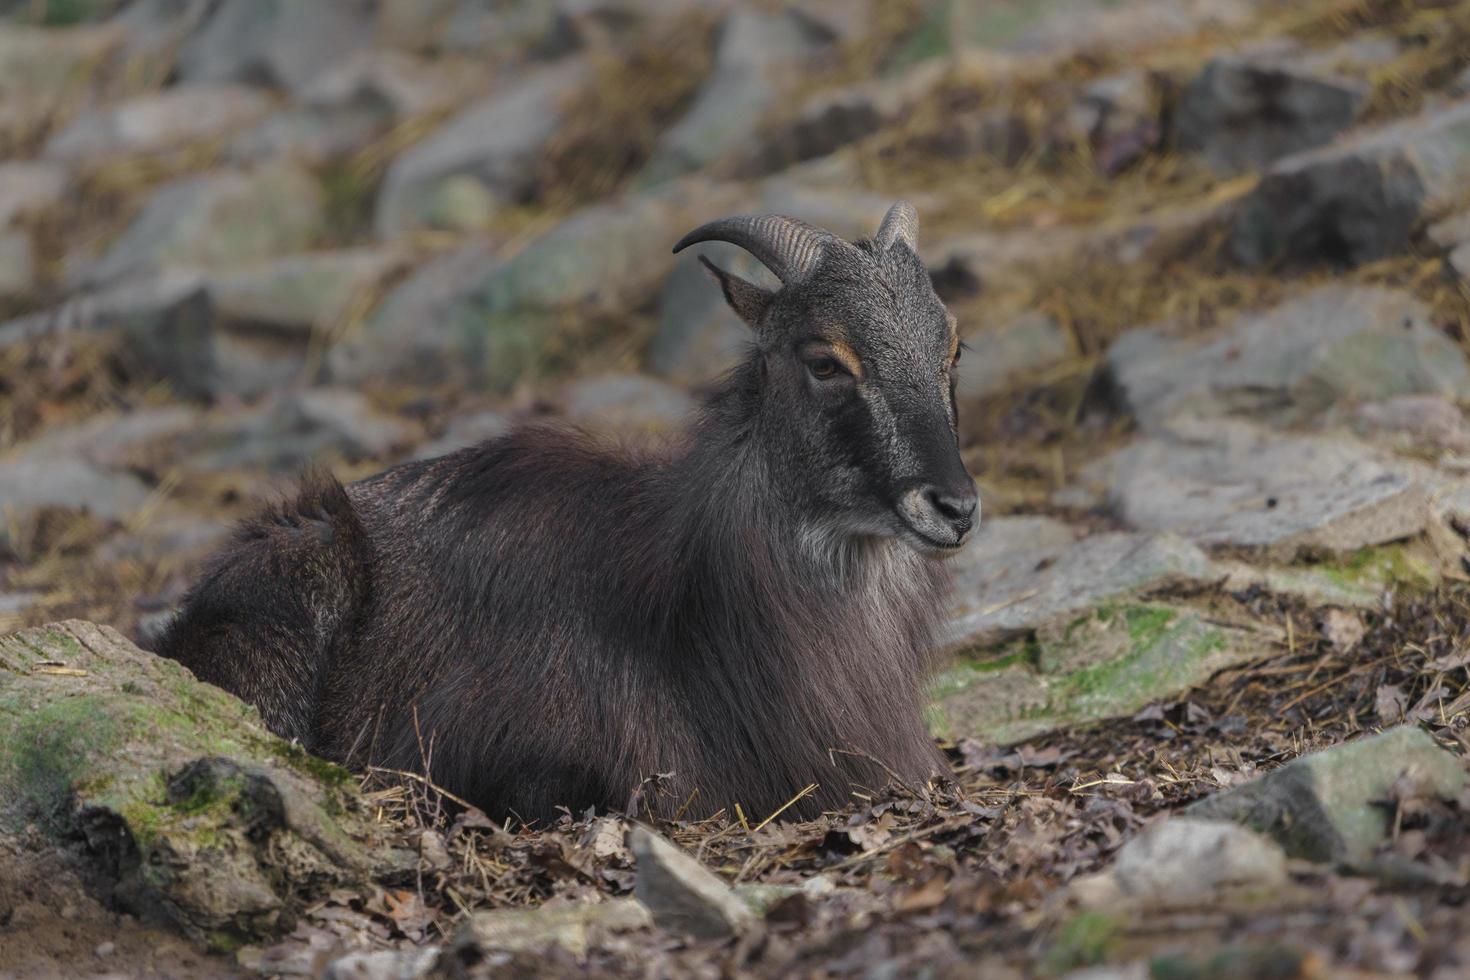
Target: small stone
(388, 964)
(1343, 629)
(1329, 806)
(105, 950)
(432, 852)
(1187, 862)
(571, 927)
(682, 895)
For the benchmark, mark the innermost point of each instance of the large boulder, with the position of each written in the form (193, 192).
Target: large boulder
(1337, 344)
(490, 153)
(1229, 484)
(1356, 200)
(172, 792)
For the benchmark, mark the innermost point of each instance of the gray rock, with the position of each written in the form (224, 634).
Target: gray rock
(302, 294)
(682, 895)
(17, 264)
(29, 188)
(167, 320)
(469, 430)
(157, 122)
(1107, 662)
(41, 69)
(33, 482)
(1234, 485)
(626, 403)
(164, 538)
(698, 334)
(1246, 111)
(298, 429)
(821, 193)
(1460, 262)
(571, 927)
(346, 108)
(1055, 30)
(213, 220)
(1414, 422)
(275, 42)
(1184, 862)
(610, 256)
(1330, 805)
(412, 334)
(498, 143)
(1116, 117)
(759, 52)
(116, 440)
(1356, 200)
(385, 964)
(1021, 573)
(1452, 231)
(998, 359)
(235, 831)
(1334, 345)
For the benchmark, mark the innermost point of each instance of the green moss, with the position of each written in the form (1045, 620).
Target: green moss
(1084, 940)
(326, 773)
(1390, 564)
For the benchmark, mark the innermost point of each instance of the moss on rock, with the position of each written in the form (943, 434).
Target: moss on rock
(186, 805)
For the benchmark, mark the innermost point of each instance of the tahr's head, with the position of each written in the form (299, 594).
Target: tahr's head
(857, 366)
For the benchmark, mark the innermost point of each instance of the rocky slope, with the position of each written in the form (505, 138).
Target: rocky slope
(1211, 259)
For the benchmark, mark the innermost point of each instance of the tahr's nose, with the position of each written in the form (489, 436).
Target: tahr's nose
(956, 505)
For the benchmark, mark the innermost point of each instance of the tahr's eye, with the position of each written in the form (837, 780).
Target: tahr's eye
(823, 368)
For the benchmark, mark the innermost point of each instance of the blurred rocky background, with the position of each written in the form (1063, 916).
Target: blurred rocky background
(1211, 259)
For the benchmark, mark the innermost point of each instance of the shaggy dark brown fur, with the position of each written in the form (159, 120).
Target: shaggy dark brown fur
(551, 621)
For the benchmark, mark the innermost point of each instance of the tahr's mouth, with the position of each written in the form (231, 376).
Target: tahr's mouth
(923, 541)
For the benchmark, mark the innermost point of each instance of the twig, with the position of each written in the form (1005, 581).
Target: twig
(953, 823)
(425, 781)
(810, 788)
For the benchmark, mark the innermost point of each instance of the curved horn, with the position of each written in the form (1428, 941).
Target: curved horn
(789, 248)
(900, 224)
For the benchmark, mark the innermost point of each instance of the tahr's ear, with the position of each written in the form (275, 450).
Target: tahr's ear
(748, 300)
